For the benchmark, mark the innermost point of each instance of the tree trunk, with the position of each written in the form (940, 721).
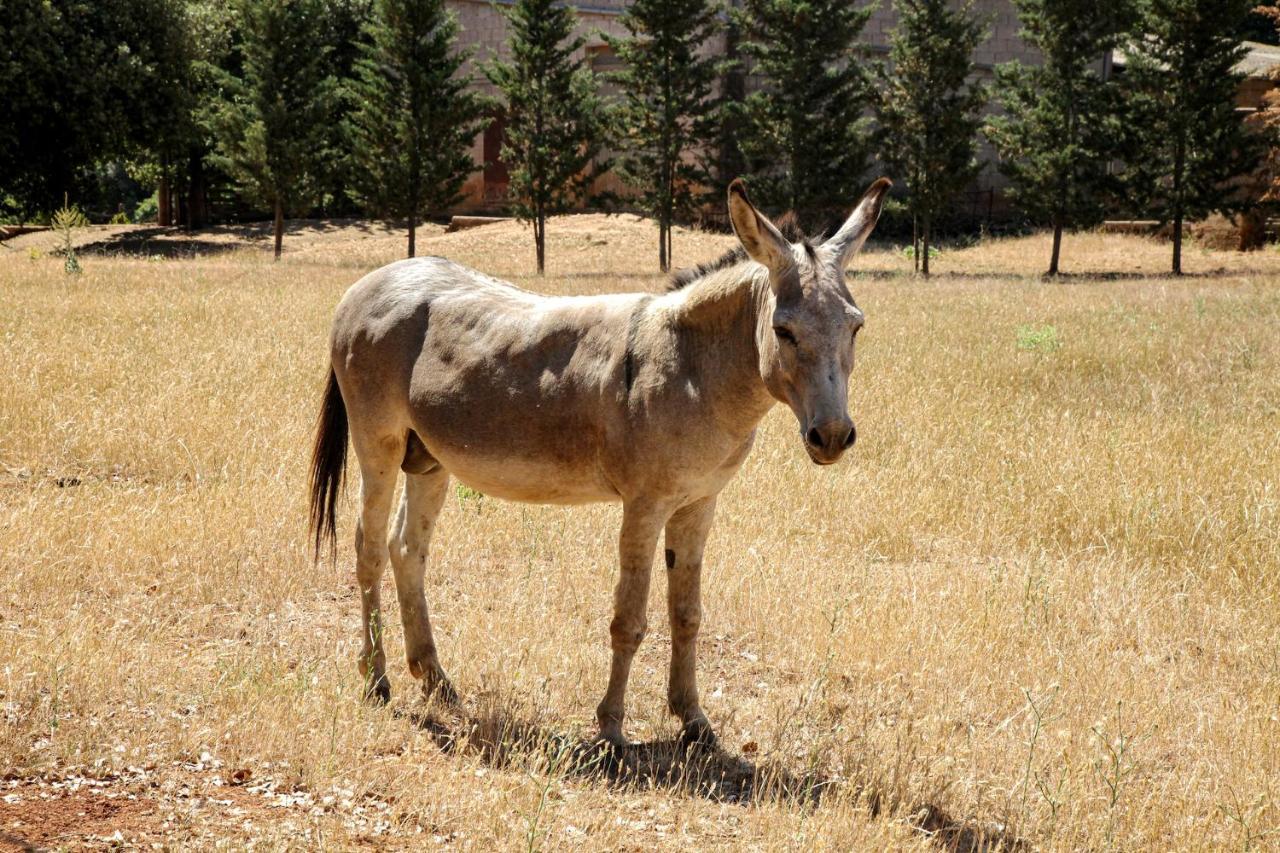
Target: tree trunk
(1177, 242)
(540, 239)
(279, 227)
(197, 193)
(915, 244)
(415, 195)
(1179, 167)
(164, 213)
(662, 245)
(1057, 247)
(924, 248)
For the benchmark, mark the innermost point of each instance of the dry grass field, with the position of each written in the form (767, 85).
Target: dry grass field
(1037, 607)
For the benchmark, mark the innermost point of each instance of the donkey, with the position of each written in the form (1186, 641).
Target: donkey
(651, 400)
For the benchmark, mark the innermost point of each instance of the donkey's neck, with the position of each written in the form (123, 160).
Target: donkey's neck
(719, 316)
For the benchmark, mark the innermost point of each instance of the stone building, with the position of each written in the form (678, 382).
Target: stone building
(484, 31)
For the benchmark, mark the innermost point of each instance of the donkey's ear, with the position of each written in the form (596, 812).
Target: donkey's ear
(763, 242)
(846, 242)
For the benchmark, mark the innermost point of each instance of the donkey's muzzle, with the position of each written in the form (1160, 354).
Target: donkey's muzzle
(828, 440)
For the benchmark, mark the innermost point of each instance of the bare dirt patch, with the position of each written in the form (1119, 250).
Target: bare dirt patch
(32, 818)
(192, 803)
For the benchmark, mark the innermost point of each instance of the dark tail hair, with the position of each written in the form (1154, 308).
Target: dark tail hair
(328, 465)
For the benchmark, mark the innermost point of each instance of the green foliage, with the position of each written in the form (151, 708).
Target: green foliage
(171, 127)
(343, 33)
(1042, 339)
(147, 210)
(81, 82)
(911, 253)
(804, 139)
(469, 498)
(413, 115)
(1063, 124)
(556, 124)
(66, 220)
(1182, 70)
(271, 129)
(928, 110)
(668, 114)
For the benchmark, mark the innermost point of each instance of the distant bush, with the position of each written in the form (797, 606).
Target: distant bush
(1038, 339)
(148, 210)
(909, 252)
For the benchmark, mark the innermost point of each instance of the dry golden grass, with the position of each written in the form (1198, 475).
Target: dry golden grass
(1037, 605)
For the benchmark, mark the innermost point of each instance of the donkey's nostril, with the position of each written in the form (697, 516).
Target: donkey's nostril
(851, 437)
(814, 437)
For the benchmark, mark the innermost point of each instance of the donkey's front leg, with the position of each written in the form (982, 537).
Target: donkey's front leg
(641, 523)
(686, 536)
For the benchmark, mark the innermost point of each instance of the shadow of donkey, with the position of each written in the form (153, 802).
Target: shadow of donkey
(505, 742)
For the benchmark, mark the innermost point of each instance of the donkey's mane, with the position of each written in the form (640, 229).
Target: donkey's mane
(787, 224)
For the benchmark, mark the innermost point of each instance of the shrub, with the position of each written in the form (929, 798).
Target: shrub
(148, 210)
(65, 220)
(909, 252)
(1038, 338)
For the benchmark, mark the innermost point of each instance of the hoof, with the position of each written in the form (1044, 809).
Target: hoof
(606, 752)
(697, 734)
(379, 692)
(612, 742)
(442, 691)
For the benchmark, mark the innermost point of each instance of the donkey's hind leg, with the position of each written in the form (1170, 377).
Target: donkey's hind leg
(424, 495)
(379, 467)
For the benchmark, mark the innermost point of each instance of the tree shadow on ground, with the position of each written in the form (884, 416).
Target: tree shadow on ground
(174, 242)
(1065, 278)
(503, 741)
(167, 243)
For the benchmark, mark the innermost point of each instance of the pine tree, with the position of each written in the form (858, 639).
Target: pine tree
(556, 124)
(1182, 69)
(667, 114)
(1265, 123)
(344, 27)
(271, 130)
(928, 109)
(730, 112)
(413, 115)
(1063, 121)
(806, 135)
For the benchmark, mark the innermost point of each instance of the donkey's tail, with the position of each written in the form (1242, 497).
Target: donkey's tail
(328, 465)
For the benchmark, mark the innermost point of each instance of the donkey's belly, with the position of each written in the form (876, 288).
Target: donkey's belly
(526, 479)
(515, 395)
(536, 454)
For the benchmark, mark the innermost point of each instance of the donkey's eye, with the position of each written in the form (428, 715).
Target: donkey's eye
(784, 334)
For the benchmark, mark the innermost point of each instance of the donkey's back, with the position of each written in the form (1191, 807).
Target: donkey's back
(514, 393)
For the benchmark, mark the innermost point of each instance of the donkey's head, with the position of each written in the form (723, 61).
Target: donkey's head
(806, 337)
